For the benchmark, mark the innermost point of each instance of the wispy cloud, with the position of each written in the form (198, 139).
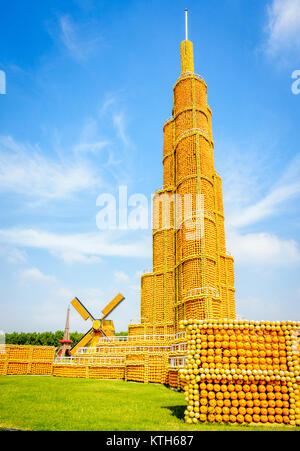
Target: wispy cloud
(110, 100)
(44, 301)
(288, 187)
(36, 274)
(101, 136)
(246, 181)
(71, 257)
(13, 255)
(89, 141)
(283, 27)
(26, 172)
(249, 174)
(80, 40)
(84, 248)
(121, 276)
(120, 125)
(260, 308)
(262, 248)
(90, 146)
(128, 283)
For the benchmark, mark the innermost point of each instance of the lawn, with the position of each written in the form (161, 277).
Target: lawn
(49, 403)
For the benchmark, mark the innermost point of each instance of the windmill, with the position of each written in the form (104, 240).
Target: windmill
(100, 327)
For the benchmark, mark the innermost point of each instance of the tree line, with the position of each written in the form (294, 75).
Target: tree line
(44, 338)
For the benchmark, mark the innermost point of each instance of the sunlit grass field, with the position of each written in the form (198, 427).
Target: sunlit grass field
(49, 403)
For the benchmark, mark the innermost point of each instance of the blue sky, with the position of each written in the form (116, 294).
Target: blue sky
(89, 87)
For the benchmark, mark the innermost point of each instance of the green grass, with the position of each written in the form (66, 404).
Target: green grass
(49, 403)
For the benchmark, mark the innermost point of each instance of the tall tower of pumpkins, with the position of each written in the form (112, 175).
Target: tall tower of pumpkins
(193, 274)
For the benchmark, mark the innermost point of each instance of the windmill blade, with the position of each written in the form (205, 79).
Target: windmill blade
(83, 342)
(81, 309)
(112, 305)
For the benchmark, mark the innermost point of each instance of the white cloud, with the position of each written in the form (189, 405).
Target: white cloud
(89, 141)
(71, 257)
(283, 27)
(43, 300)
(121, 276)
(257, 308)
(90, 146)
(79, 247)
(120, 125)
(13, 255)
(36, 274)
(80, 40)
(35, 277)
(110, 100)
(100, 135)
(128, 283)
(41, 305)
(247, 175)
(288, 187)
(93, 299)
(266, 207)
(262, 248)
(25, 171)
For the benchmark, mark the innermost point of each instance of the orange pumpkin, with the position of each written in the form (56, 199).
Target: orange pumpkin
(240, 418)
(226, 418)
(234, 411)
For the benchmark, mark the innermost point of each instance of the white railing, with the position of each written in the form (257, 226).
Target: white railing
(92, 360)
(120, 350)
(179, 347)
(205, 291)
(112, 339)
(137, 321)
(186, 132)
(148, 271)
(180, 335)
(186, 74)
(135, 338)
(177, 361)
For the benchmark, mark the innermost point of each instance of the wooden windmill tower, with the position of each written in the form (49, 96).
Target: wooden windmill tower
(100, 327)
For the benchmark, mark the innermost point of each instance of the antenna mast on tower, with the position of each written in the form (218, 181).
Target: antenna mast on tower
(186, 25)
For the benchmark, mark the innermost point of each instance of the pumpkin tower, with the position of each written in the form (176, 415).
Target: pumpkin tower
(192, 274)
